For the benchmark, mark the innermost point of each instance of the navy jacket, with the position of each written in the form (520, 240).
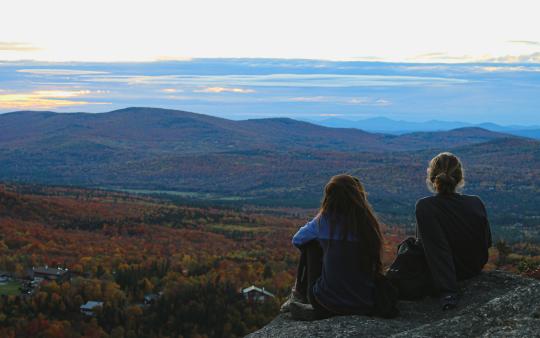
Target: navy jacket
(344, 286)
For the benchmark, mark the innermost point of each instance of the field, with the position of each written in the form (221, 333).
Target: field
(10, 288)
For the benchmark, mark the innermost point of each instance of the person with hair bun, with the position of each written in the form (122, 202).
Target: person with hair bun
(452, 227)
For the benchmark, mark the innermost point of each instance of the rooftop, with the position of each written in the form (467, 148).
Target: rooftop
(91, 304)
(254, 288)
(49, 271)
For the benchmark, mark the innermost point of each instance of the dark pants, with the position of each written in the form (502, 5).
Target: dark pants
(309, 270)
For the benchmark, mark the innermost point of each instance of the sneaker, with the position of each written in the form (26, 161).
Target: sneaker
(293, 297)
(449, 302)
(301, 311)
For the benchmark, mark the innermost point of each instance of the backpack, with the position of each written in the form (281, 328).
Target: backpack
(385, 298)
(409, 273)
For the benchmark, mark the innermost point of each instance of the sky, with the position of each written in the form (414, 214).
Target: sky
(474, 61)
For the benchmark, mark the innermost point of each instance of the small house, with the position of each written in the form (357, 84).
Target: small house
(151, 298)
(254, 294)
(88, 308)
(48, 273)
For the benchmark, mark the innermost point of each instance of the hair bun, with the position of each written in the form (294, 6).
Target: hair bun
(445, 173)
(445, 178)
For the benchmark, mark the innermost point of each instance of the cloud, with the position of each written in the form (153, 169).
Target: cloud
(359, 100)
(330, 115)
(173, 58)
(224, 90)
(61, 72)
(381, 102)
(444, 57)
(447, 58)
(179, 97)
(221, 83)
(136, 79)
(309, 99)
(525, 42)
(525, 58)
(17, 47)
(41, 99)
(171, 90)
(365, 101)
(425, 67)
(491, 69)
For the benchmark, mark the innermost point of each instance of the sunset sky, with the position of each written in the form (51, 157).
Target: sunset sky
(415, 60)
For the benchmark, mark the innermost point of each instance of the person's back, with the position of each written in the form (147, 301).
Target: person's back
(463, 220)
(453, 228)
(341, 252)
(346, 282)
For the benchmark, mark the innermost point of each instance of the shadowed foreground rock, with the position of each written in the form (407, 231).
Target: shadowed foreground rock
(495, 304)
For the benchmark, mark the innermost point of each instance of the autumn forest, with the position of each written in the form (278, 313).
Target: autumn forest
(184, 230)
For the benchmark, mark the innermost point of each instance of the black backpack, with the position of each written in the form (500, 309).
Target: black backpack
(409, 273)
(385, 298)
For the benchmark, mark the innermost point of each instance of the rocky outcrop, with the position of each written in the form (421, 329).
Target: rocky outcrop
(494, 304)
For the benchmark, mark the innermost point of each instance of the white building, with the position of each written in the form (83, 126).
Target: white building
(88, 308)
(255, 294)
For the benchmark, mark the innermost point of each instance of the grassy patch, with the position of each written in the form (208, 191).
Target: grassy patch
(184, 194)
(10, 288)
(237, 231)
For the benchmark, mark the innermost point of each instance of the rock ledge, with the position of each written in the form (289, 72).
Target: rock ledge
(494, 304)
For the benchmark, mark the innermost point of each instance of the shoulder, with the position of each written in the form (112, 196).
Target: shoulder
(474, 200)
(471, 199)
(425, 202)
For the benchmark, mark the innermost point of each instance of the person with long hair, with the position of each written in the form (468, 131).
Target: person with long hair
(452, 227)
(341, 251)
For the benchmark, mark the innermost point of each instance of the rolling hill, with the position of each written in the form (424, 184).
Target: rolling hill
(397, 127)
(281, 162)
(170, 131)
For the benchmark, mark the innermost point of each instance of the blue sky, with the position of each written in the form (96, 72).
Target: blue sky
(472, 61)
(505, 93)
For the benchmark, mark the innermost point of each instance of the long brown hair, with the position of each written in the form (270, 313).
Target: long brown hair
(346, 208)
(445, 173)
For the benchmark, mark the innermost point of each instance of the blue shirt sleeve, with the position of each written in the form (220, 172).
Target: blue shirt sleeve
(307, 233)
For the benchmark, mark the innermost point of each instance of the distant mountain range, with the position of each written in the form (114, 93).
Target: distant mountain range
(389, 126)
(153, 130)
(276, 161)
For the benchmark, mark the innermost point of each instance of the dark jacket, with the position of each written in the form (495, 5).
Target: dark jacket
(454, 230)
(344, 287)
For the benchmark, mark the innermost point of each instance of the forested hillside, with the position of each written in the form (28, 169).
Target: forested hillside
(271, 162)
(119, 248)
(187, 210)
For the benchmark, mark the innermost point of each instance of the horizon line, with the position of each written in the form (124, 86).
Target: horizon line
(469, 124)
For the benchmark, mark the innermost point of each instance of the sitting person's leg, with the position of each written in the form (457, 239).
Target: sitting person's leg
(314, 262)
(314, 271)
(301, 284)
(438, 256)
(309, 271)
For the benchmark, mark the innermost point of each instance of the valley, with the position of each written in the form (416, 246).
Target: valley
(268, 162)
(162, 218)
